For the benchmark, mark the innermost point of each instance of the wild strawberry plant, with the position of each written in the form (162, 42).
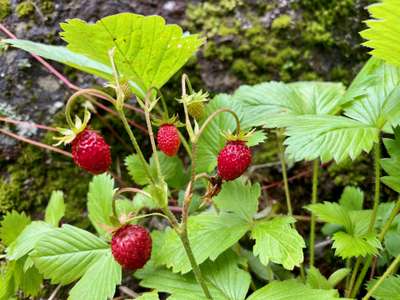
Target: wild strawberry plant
(219, 245)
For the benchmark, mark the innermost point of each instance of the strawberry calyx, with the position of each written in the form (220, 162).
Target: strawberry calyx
(164, 120)
(242, 136)
(69, 134)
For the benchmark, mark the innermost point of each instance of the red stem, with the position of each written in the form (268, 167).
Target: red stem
(35, 143)
(17, 122)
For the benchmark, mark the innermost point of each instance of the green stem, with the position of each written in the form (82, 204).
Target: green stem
(313, 217)
(390, 220)
(361, 277)
(185, 144)
(353, 275)
(388, 272)
(135, 144)
(377, 158)
(284, 173)
(195, 266)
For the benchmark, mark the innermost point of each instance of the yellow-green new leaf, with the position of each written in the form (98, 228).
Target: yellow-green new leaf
(55, 209)
(279, 242)
(147, 51)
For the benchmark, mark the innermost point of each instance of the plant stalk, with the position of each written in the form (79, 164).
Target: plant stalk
(388, 272)
(377, 157)
(284, 172)
(313, 217)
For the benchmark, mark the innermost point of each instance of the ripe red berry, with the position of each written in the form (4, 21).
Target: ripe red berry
(131, 246)
(168, 139)
(233, 160)
(91, 152)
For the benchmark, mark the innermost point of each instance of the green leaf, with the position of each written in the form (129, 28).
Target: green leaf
(328, 137)
(100, 196)
(55, 209)
(225, 280)
(30, 281)
(333, 213)
(378, 106)
(224, 274)
(28, 238)
(352, 198)
(258, 137)
(279, 242)
(148, 52)
(212, 141)
(392, 242)
(136, 170)
(292, 290)
(337, 276)
(392, 182)
(240, 198)
(12, 225)
(316, 280)
(65, 254)
(383, 33)
(171, 168)
(388, 290)
(65, 56)
(272, 99)
(8, 282)
(347, 245)
(204, 230)
(99, 281)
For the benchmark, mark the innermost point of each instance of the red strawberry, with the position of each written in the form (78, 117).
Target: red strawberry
(131, 246)
(168, 139)
(91, 152)
(233, 160)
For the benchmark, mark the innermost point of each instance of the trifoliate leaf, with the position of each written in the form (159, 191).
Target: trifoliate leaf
(28, 238)
(99, 281)
(55, 209)
(204, 230)
(240, 198)
(383, 33)
(12, 225)
(147, 51)
(388, 290)
(352, 198)
(347, 245)
(30, 281)
(292, 290)
(65, 254)
(100, 197)
(279, 242)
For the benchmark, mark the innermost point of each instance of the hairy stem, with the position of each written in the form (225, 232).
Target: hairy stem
(377, 157)
(135, 144)
(313, 217)
(390, 220)
(388, 272)
(284, 172)
(353, 275)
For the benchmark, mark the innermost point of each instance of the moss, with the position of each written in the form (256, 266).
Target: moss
(281, 22)
(24, 9)
(308, 40)
(47, 6)
(5, 9)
